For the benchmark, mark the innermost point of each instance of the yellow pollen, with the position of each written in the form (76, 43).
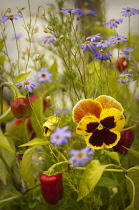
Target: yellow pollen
(101, 52)
(86, 10)
(87, 42)
(128, 10)
(70, 8)
(26, 83)
(92, 36)
(10, 16)
(100, 127)
(80, 154)
(48, 37)
(112, 19)
(43, 75)
(102, 42)
(119, 38)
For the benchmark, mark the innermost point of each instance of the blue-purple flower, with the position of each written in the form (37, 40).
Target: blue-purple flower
(49, 39)
(118, 39)
(87, 46)
(10, 17)
(103, 43)
(69, 10)
(79, 157)
(86, 12)
(128, 11)
(17, 36)
(125, 78)
(127, 52)
(61, 111)
(113, 23)
(43, 75)
(60, 136)
(28, 85)
(93, 38)
(102, 55)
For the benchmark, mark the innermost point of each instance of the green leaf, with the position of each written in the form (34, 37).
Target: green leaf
(90, 178)
(53, 69)
(35, 142)
(37, 118)
(9, 155)
(7, 115)
(5, 143)
(26, 168)
(2, 59)
(134, 152)
(107, 182)
(133, 188)
(113, 155)
(21, 77)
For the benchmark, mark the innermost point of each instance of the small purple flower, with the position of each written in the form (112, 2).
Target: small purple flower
(118, 39)
(93, 38)
(101, 55)
(127, 52)
(43, 75)
(86, 12)
(10, 17)
(113, 23)
(103, 43)
(60, 136)
(87, 46)
(128, 11)
(49, 39)
(28, 84)
(61, 111)
(17, 36)
(124, 78)
(79, 157)
(69, 10)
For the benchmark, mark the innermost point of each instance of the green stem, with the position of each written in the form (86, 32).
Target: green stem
(1, 100)
(129, 31)
(15, 90)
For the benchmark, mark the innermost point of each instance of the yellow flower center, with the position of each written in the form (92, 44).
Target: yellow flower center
(80, 154)
(57, 137)
(26, 83)
(87, 42)
(101, 52)
(70, 8)
(92, 36)
(48, 37)
(43, 75)
(112, 19)
(100, 127)
(86, 10)
(10, 16)
(102, 42)
(128, 10)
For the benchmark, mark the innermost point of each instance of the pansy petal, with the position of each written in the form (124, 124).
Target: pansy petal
(87, 125)
(112, 119)
(86, 107)
(103, 139)
(109, 102)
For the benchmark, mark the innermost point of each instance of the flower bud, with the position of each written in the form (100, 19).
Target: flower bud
(21, 108)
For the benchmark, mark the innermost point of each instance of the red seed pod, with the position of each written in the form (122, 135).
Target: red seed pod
(21, 108)
(126, 140)
(51, 188)
(122, 64)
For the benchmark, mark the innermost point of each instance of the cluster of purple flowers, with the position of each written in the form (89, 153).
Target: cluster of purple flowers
(127, 52)
(80, 12)
(125, 78)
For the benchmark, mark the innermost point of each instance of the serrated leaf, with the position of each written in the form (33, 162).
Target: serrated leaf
(26, 168)
(133, 174)
(35, 142)
(7, 115)
(90, 178)
(4, 142)
(113, 155)
(21, 77)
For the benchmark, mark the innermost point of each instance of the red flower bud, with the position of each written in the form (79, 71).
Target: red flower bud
(21, 108)
(51, 188)
(126, 140)
(121, 64)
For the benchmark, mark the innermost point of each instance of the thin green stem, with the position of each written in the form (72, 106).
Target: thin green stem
(129, 34)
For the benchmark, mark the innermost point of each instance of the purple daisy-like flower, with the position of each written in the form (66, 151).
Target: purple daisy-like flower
(127, 12)
(43, 75)
(125, 78)
(10, 17)
(86, 12)
(49, 39)
(93, 38)
(70, 10)
(101, 55)
(127, 52)
(17, 36)
(60, 136)
(28, 84)
(61, 111)
(79, 157)
(87, 46)
(118, 39)
(113, 23)
(103, 43)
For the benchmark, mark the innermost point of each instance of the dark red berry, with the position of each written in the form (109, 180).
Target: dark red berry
(21, 108)
(122, 64)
